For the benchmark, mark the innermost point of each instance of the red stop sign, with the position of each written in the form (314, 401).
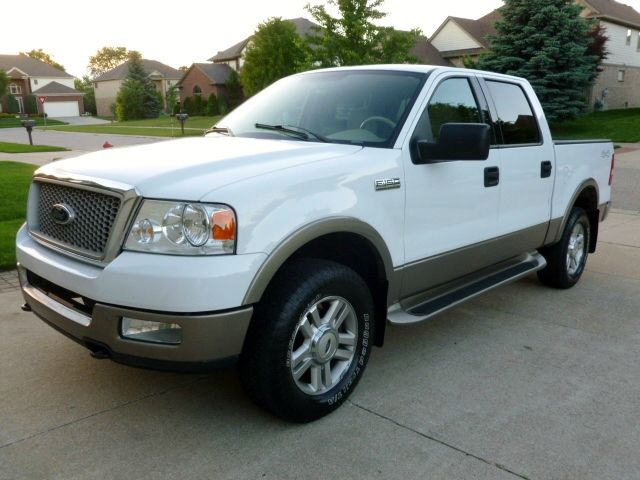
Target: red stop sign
(42, 99)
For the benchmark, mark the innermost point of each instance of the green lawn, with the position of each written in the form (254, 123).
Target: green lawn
(616, 125)
(154, 127)
(15, 122)
(14, 186)
(6, 147)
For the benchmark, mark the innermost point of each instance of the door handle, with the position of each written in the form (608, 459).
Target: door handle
(491, 176)
(545, 169)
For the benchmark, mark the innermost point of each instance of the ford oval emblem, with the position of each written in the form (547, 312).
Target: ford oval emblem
(62, 214)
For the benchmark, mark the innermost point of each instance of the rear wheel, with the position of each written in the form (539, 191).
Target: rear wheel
(309, 340)
(567, 258)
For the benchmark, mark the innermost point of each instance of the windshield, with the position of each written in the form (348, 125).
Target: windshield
(361, 107)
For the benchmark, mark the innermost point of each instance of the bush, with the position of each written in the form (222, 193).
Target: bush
(186, 105)
(213, 108)
(31, 105)
(13, 104)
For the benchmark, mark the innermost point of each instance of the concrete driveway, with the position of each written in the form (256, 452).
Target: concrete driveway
(82, 120)
(524, 382)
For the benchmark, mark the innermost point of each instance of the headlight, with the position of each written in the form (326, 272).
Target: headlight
(181, 228)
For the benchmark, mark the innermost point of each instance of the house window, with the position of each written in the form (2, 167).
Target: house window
(629, 37)
(35, 81)
(197, 90)
(638, 47)
(95, 85)
(15, 89)
(621, 75)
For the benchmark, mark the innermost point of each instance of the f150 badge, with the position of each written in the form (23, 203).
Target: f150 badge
(387, 183)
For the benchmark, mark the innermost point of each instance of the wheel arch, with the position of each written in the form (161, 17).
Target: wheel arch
(358, 243)
(587, 197)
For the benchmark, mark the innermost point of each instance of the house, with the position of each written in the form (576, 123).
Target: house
(206, 78)
(30, 79)
(203, 79)
(234, 55)
(459, 38)
(617, 86)
(107, 85)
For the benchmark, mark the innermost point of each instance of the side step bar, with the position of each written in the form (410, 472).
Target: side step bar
(448, 296)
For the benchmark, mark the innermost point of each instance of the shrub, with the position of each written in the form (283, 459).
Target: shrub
(213, 108)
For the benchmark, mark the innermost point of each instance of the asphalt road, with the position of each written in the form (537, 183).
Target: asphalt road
(523, 382)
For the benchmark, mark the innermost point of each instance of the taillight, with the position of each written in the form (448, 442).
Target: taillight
(613, 167)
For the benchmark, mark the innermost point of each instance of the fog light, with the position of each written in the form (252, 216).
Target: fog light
(148, 331)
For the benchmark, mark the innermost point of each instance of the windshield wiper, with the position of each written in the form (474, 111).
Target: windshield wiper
(216, 129)
(295, 130)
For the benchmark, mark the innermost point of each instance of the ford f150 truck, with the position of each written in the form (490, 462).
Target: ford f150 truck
(330, 204)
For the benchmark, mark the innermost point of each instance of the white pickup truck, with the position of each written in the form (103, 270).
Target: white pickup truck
(332, 203)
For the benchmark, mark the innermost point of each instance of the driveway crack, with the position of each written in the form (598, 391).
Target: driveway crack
(441, 442)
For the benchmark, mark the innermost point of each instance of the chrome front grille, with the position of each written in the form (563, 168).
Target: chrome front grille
(94, 216)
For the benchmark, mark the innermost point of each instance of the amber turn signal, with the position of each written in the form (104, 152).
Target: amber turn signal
(223, 225)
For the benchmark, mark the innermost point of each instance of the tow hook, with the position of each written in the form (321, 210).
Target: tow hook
(25, 307)
(99, 354)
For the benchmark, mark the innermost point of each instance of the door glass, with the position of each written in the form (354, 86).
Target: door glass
(452, 102)
(515, 117)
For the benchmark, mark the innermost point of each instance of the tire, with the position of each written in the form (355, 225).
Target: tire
(567, 258)
(293, 332)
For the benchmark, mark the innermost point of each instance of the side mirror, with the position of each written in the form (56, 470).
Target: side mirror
(458, 141)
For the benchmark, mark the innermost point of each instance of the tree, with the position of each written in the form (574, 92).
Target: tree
(353, 38)
(85, 85)
(598, 46)
(137, 97)
(4, 82)
(235, 94)
(107, 58)
(275, 51)
(546, 42)
(43, 56)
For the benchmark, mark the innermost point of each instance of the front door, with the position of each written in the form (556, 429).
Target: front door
(20, 104)
(448, 206)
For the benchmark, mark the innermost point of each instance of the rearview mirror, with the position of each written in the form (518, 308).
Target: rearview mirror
(458, 141)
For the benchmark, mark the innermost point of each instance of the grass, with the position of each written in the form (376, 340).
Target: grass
(616, 125)
(6, 147)
(15, 179)
(153, 127)
(16, 122)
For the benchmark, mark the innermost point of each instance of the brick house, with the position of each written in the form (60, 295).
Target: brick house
(107, 85)
(203, 79)
(31, 78)
(618, 85)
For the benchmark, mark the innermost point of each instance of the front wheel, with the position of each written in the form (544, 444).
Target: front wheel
(567, 258)
(309, 340)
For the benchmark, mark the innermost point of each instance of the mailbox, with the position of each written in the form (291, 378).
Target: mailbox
(28, 125)
(182, 117)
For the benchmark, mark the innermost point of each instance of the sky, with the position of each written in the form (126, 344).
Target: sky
(181, 33)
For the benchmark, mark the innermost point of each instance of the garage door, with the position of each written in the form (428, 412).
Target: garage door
(62, 109)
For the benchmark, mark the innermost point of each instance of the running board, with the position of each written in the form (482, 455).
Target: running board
(449, 296)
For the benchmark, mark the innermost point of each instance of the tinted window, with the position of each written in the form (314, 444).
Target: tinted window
(452, 102)
(515, 117)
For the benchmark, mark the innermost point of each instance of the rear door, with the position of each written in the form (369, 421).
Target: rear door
(527, 161)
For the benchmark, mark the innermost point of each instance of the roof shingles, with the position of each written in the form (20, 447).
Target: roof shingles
(31, 66)
(150, 66)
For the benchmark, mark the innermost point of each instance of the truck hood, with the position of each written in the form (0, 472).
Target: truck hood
(188, 169)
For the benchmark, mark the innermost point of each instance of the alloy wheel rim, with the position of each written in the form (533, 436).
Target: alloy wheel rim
(323, 345)
(576, 249)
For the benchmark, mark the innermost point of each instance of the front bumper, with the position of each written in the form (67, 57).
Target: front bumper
(208, 340)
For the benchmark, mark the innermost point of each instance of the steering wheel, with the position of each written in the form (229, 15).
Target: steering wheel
(377, 118)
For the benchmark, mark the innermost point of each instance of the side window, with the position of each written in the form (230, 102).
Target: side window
(515, 116)
(452, 102)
